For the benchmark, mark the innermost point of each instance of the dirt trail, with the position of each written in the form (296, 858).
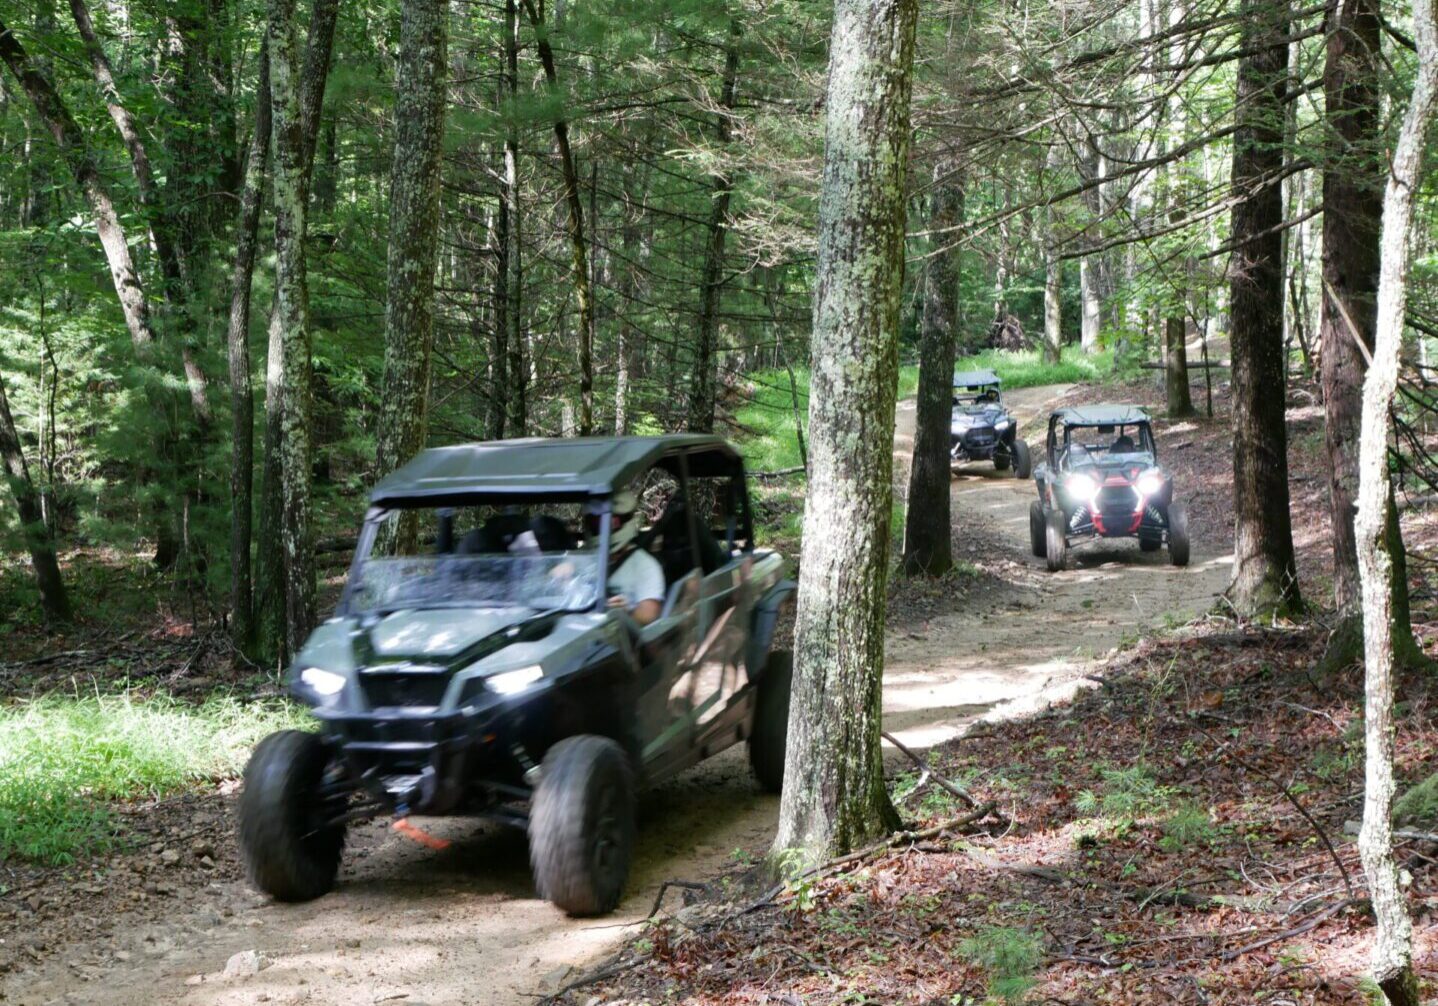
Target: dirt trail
(409, 925)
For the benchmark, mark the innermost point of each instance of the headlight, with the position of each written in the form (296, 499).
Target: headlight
(325, 683)
(1150, 483)
(1002, 425)
(511, 682)
(1082, 486)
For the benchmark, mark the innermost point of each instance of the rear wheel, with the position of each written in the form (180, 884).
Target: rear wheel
(1023, 463)
(1056, 548)
(290, 850)
(1036, 529)
(768, 742)
(1178, 534)
(581, 825)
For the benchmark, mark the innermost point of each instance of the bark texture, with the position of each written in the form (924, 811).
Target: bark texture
(516, 402)
(834, 796)
(928, 548)
(1392, 960)
(413, 232)
(1353, 175)
(1265, 578)
(1180, 402)
(270, 572)
(38, 539)
(291, 319)
(702, 380)
(242, 395)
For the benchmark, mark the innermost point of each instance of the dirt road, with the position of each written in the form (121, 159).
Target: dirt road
(409, 925)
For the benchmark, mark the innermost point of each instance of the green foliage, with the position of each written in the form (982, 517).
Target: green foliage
(1126, 795)
(62, 757)
(1418, 807)
(1011, 957)
(1187, 826)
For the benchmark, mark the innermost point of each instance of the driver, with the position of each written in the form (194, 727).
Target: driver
(636, 580)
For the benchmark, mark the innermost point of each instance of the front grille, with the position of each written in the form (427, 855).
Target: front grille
(1117, 501)
(980, 436)
(399, 690)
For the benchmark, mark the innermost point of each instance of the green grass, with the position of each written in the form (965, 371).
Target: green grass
(1025, 368)
(62, 758)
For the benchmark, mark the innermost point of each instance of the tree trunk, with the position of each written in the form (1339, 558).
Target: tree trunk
(1354, 170)
(834, 796)
(518, 375)
(928, 548)
(702, 380)
(38, 539)
(1392, 960)
(78, 159)
(574, 225)
(413, 232)
(1092, 272)
(499, 330)
(292, 319)
(1176, 369)
(270, 576)
(1265, 578)
(242, 396)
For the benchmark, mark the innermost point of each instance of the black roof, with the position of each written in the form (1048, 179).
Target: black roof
(570, 467)
(1100, 415)
(975, 378)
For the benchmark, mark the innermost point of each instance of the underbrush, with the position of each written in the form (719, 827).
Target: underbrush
(62, 758)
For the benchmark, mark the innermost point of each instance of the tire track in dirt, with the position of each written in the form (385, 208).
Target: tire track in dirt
(409, 925)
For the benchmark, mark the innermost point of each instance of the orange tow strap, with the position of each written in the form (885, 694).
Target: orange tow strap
(422, 837)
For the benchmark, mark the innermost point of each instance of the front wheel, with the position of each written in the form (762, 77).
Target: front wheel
(1023, 463)
(290, 849)
(1037, 544)
(769, 740)
(1001, 459)
(1178, 534)
(581, 825)
(1056, 547)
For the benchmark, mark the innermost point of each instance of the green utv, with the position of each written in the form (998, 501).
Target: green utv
(530, 631)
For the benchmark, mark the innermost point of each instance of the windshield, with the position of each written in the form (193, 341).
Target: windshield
(565, 580)
(975, 397)
(1108, 442)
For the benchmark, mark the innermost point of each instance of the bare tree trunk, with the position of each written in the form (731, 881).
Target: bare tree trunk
(1353, 175)
(1176, 368)
(1392, 960)
(1265, 577)
(574, 225)
(701, 386)
(499, 330)
(834, 796)
(292, 318)
(413, 232)
(38, 539)
(242, 395)
(928, 548)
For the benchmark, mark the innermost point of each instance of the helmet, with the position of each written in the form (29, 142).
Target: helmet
(625, 506)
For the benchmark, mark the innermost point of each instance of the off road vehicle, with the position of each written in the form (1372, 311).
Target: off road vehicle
(477, 663)
(1101, 479)
(981, 429)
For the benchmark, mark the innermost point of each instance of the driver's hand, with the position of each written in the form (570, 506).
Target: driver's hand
(618, 601)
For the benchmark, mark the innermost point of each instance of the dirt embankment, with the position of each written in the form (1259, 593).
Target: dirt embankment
(409, 925)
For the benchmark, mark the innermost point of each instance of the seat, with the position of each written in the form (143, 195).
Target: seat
(1123, 445)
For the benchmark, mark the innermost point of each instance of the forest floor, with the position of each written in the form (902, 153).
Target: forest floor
(161, 919)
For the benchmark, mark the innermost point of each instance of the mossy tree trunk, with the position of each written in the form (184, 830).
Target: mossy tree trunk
(1180, 402)
(291, 321)
(413, 235)
(834, 796)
